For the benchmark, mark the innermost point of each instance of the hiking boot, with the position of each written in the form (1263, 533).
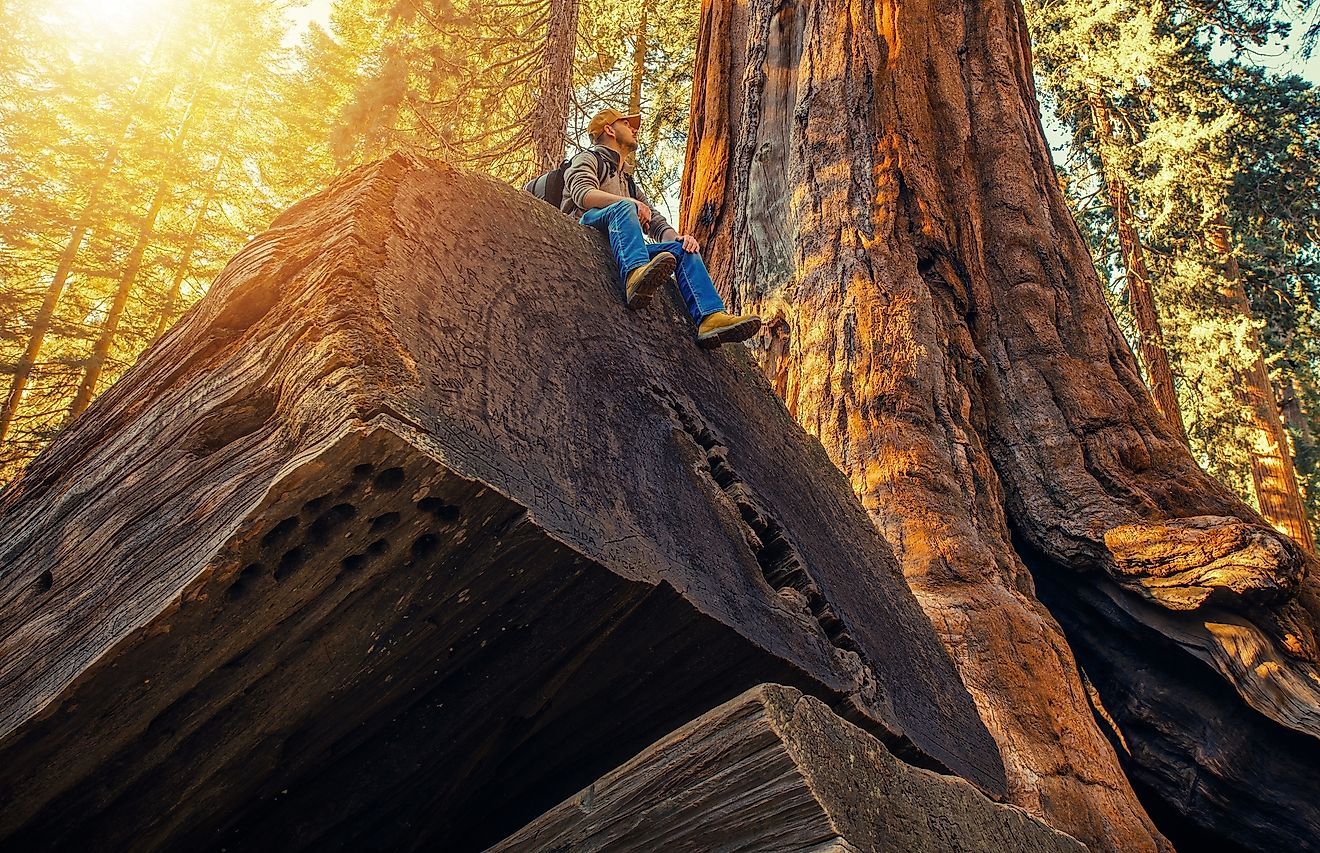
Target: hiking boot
(645, 280)
(721, 328)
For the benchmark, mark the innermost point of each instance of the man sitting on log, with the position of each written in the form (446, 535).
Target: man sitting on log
(599, 191)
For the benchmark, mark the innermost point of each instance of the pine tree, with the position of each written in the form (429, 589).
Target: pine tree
(481, 85)
(66, 136)
(134, 166)
(548, 118)
(127, 191)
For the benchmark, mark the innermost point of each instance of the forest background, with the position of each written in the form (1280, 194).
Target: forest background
(143, 142)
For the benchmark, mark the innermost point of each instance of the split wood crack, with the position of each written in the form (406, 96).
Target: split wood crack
(782, 566)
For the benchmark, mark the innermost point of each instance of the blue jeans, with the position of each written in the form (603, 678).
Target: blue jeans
(619, 221)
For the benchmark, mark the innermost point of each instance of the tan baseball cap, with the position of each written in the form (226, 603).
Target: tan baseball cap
(609, 116)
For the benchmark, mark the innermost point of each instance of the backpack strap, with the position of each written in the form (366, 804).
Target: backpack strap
(605, 163)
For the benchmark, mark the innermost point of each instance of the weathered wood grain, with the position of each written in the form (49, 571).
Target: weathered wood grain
(407, 531)
(774, 770)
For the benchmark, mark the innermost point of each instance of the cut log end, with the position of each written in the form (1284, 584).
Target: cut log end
(774, 769)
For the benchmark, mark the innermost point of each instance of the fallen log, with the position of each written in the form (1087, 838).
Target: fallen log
(407, 531)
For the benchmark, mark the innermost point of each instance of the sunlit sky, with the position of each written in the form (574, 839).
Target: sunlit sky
(1286, 58)
(313, 10)
(120, 16)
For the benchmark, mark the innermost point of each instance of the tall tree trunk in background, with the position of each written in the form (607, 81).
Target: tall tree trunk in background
(41, 323)
(872, 178)
(639, 62)
(1290, 408)
(132, 266)
(1272, 467)
(101, 348)
(1150, 337)
(549, 118)
(55, 290)
(165, 315)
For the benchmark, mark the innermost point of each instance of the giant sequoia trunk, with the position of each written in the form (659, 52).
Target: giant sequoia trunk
(872, 178)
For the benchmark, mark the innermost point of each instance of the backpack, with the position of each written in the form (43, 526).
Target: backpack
(549, 187)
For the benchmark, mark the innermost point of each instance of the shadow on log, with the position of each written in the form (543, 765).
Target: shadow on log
(408, 531)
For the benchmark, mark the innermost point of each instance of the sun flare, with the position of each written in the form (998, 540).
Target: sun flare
(120, 16)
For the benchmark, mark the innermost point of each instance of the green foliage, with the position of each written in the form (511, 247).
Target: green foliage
(137, 156)
(610, 37)
(123, 152)
(1201, 147)
(459, 80)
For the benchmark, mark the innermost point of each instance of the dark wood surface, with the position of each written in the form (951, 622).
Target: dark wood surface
(408, 530)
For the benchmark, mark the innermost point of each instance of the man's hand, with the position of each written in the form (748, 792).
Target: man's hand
(643, 213)
(690, 244)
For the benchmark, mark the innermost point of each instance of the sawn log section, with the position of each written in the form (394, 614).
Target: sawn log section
(773, 771)
(409, 530)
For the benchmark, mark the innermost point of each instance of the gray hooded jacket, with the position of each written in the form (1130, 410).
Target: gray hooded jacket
(584, 173)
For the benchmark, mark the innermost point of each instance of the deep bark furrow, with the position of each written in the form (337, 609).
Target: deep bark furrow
(831, 262)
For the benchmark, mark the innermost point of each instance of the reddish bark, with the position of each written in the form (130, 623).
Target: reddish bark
(1272, 469)
(873, 179)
